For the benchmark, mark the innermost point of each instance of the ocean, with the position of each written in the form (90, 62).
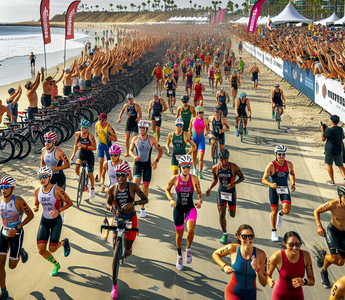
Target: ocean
(17, 43)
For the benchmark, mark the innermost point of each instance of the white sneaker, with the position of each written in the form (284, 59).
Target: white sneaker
(92, 193)
(279, 220)
(76, 177)
(188, 256)
(142, 213)
(179, 265)
(274, 236)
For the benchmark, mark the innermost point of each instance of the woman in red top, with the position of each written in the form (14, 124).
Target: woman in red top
(198, 88)
(291, 264)
(159, 77)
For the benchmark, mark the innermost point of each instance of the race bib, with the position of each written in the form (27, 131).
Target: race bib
(170, 92)
(282, 190)
(5, 231)
(226, 196)
(177, 156)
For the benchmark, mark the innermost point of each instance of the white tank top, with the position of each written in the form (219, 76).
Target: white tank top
(50, 160)
(11, 216)
(49, 202)
(111, 172)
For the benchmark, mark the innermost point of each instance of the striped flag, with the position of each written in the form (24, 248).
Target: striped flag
(269, 23)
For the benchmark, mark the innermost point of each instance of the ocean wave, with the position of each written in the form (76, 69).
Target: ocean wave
(17, 37)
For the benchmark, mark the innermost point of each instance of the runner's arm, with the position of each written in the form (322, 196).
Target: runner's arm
(338, 289)
(225, 122)
(138, 109)
(165, 107)
(207, 125)
(188, 139)
(24, 207)
(192, 110)
(61, 194)
(171, 183)
(309, 268)
(215, 179)
(112, 136)
(178, 112)
(321, 209)
(104, 171)
(168, 141)
(141, 194)
(283, 97)
(122, 111)
(158, 147)
(61, 156)
(93, 141)
(267, 173)
(239, 173)
(111, 197)
(292, 176)
(150, 108)
(222, 252)
(36, 202)
(272, 263)
(131, 148)
(249, 108)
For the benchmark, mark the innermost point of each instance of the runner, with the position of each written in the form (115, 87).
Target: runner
(189, 82)
(122, 194)
(279, 171)
(176, 73)
(211, 79)
(208, 60)
(247, 263)
(222, 98)
(142, 161)
(291, 264)
(225, 172)
(255, 76)
(184, 208)
(277, 98)
(240, 46)
(335, 235)
(32, 60)
(12, 208)
(133, 111)
(217, 123)
(54, 158)
(218, 76)
(86, 143)
(241, 105)
(171, 86)
(105, 134)
(240, 66)
(51, 197)
(198, 88)
(186, 112)
(159, 78)
(235, 82)
(158, 106)
(198, 125)
(198, 69)
(179, 139)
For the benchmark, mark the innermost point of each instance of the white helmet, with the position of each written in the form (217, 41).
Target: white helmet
(8, 180)
(143, 123)
(179, 121)
(185, 160)
(280, 149)
(45, 170)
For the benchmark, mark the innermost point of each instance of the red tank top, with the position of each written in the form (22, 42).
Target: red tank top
(159, 73)
(198, 88)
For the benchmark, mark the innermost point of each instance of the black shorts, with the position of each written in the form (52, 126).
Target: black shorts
(87, 83)
(59, 179)
(279, 102)
(67, 90)
(173, 93)
(46, 100)
(31, 112)
(221, 137)
(274, 197)
(234, 85)
(14, 243)
(89, 157)
(335, 239)
(338, 160)
(143, 170)
(227, 197)
(49, 227)
(242, 113)
(158, 120)
(131, 126)
(224, 109)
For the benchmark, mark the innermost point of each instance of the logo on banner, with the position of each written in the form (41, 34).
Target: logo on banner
(294, 74)
(301, 78)
(70, 21)
(324, 91)
(45, 18)
(317, 87)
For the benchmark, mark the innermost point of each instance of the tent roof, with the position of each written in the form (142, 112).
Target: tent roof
(340, 21)
(290, 14)
(330, 20)
(243, 20)
(263, 20)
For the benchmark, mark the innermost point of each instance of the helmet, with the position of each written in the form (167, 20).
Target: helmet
(280, 149)
(243, 94)
(199, 109)
(143, 123)
(277, 85)
(185, 160)
(85, 123)
(129, 96)
(224, 153)
(122, 168)
(179, 121)
(341, 190)
(184, 98)
(158, 64)
(169, 74)
(8, 180)
(114, 149)
(197, 80)
(222, 89)
(45, 170)
(50, 135)
(155, 93)
(175, 65)
(217, 108)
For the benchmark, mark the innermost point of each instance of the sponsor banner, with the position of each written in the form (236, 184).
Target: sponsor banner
(254, 15)
(45, 21)
(221, 15)
(329, 94)
(259, 55)
(71, 11)
(301, 80)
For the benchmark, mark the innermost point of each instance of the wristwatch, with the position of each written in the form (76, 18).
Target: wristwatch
(305, 281)
(16, 228)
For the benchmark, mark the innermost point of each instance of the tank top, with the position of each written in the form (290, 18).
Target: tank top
(132, 113)
(170, 84)
(277, 96)
(124, 197)
(51, 161)
(184, 191)
(48, 201)
(176, 73)
(189, 78)
(186, 115)
(84, 141)
(157, 109)
(211, 73)
(198, 68)
(225, 177)
(234, 80)
(242, 105)
(199, 126)
(179, 144)
(10, 215)
(222, 98)
(102, 139)
(144, 149)
(281, 174)
(198, 90)
(216, 125)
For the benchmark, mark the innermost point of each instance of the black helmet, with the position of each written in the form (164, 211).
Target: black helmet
(341, 190)
(224, 153)
(184, 98)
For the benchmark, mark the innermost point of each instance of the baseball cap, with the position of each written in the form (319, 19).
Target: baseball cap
(11, 90)
(103, 116)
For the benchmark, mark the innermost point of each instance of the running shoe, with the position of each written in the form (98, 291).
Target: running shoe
(92, 193)
(128, 252)
(324, 279)
(200, 175)
(23, 255)
(4, 295)
(272, 116)
(55, 270)
(237, 132)
(179, 265)
(246, 132)
(224, 239)
(329, 182)
(142, 213)
(76, 177)
(274, 236)
(155, 135)
(279, 220)
(66, 247)
(113, 294)
(188, 256)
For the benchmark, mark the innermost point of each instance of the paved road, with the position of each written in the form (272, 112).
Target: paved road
(150, 272)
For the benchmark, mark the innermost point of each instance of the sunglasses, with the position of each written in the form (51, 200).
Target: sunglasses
(142, 128)
(281, 154)
(217, 111)
(45, 176)
(114, 155)
(201, 112)
(100, 119)
(184, 167)
(84, 127)
(179, 125)
(249, 236)
(298, 245)
(121, 174)
(48, 141)
(4, 187)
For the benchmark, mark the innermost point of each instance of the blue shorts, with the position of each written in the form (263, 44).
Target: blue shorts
(159, 122)
(103, 148)
(199, 142)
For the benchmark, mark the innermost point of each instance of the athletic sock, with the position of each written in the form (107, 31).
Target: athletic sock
(188, 248)
(179, 252)
(225, 233)
(51, 259)
(3, 291)
(274, 229)
(236, 127)
(280, 213)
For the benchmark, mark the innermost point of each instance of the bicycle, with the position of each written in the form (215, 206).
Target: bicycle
(240, 128)
(215, 149)
(277, 115)
(83, 178)
(6, 150)
(171, 108)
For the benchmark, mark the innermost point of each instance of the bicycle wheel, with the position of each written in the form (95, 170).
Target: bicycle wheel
(81, 186)
(75, 122)
(117, 257)
(64, 130)
(26, 145)
(69, 126)
(240, 129)
(277, 116)
(6, 150)
(215, 154)
(88, 113)
(37, 141)
(18, 147)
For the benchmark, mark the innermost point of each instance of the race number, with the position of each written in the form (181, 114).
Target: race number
(226, 196)
(282, 190)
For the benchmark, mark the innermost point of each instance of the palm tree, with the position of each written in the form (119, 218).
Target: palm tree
(165, 4)
(138, 7)
(195, 6)
(236, 6)
(111, 6)
(91, 7)
(125, 7)
(82, 6)
(220, 4)
(148, 4)
(199, 6)
(97, 7)
(245, 7)
(144, 5)
(230, 6)
(103, 8)
(132, 5)
(190, 3)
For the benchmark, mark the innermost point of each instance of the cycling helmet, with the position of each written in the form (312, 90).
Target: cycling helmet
(114, 149)
(143, 123)
(8, 180)
(169, 74)
(85, 123)
(122, 168)
(341, 190)
(243, 94)
(50, 135)
(45, 170)
(222, 89)
(199, 109)
(158, 64)
(155, 93)
(185, 160)
(217, 108)
(197, 80)
(175, 65)
(280, 149)
(184, 98)
(130, 96)
(277, 85)
(179, 121)
(224, 153)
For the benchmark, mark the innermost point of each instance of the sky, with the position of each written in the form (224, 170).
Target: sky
(28, 10)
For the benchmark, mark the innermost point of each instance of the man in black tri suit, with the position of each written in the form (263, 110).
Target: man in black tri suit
(277, 98)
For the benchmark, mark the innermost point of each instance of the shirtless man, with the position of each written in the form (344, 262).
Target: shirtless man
(12, 101)
(88, 72)
(32, 60)
(32, 96)
(47, 85)
(335, 234)
(67, 80)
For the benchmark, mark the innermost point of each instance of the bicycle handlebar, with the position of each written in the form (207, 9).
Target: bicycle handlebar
(111, 227)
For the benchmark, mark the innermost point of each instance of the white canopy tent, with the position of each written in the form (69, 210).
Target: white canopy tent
(330, 20)
(340, 21)
(243, 20)
(290, 15)
(263, 21)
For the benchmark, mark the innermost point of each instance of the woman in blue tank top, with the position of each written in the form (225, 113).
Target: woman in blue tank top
(248, 262)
